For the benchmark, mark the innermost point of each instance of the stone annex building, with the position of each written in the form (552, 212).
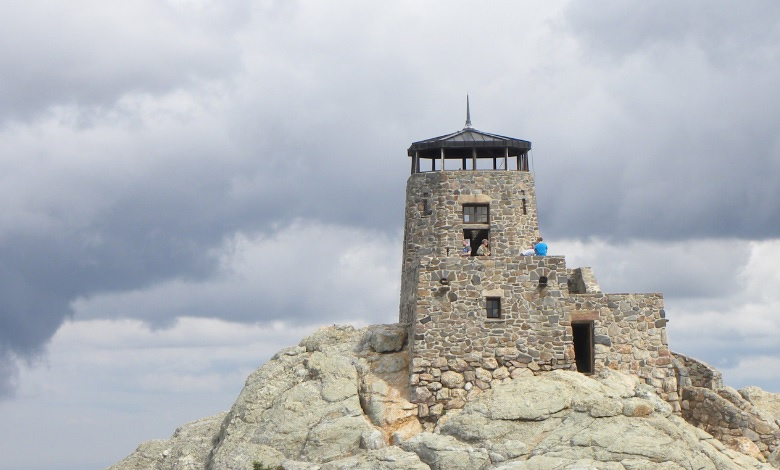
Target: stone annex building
(475, 320)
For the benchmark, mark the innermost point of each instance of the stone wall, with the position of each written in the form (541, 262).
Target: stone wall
(695, 373)
(722, 411)
(457, 351)
(728, 417)
(434, 217)
(582, 281)
(630, 336)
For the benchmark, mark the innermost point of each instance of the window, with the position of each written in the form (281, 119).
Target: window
(475, 237)
(426, 207)
(525, 209)
(542, 281)
(493, 307)
(475, 214)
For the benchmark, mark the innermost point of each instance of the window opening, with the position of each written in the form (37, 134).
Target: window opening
(452, 164)
(485, 164)
(426, 207)
(475, 237)
(525, 209)
(475, 214)
(582, 333)
(493, 305)
(542, 281)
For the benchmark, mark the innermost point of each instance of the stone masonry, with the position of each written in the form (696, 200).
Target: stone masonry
(434, 218)
(457, 351)
(722, 411)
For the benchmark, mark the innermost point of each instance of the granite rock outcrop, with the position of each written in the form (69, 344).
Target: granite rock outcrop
(339, 401)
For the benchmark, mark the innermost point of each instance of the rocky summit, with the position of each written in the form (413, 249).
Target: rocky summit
(339, 401)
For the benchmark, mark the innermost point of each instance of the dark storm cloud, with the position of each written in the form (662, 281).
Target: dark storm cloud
(108, 200)
(302, 274)
(41, 273)
(113, 207)
(94, 52)
(8, 373)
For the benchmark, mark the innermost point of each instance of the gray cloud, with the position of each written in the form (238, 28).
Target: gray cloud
(129, 159)
(684, 271)
(301, 274)
(727, 36)
(686, 112)
(8, 372)
(93, 53)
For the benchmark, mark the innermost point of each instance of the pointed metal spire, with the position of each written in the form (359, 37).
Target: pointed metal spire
(468, 113)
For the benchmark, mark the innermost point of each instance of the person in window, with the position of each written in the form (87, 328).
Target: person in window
(483, 249)
(466, 251)
(540, 247)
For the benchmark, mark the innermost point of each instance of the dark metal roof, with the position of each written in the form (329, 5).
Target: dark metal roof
(459, 144)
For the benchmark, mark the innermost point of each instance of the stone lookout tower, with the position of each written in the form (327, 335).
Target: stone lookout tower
(477, 320)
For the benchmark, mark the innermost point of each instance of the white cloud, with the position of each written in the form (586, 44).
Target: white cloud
(301, 273)
(739, 330)
(761, 371)
(114, 384)
(701, 269)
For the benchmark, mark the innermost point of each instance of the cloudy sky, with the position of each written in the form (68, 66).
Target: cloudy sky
(187, 186)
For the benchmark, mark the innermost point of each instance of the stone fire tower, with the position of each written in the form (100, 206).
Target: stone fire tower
(477, 320)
